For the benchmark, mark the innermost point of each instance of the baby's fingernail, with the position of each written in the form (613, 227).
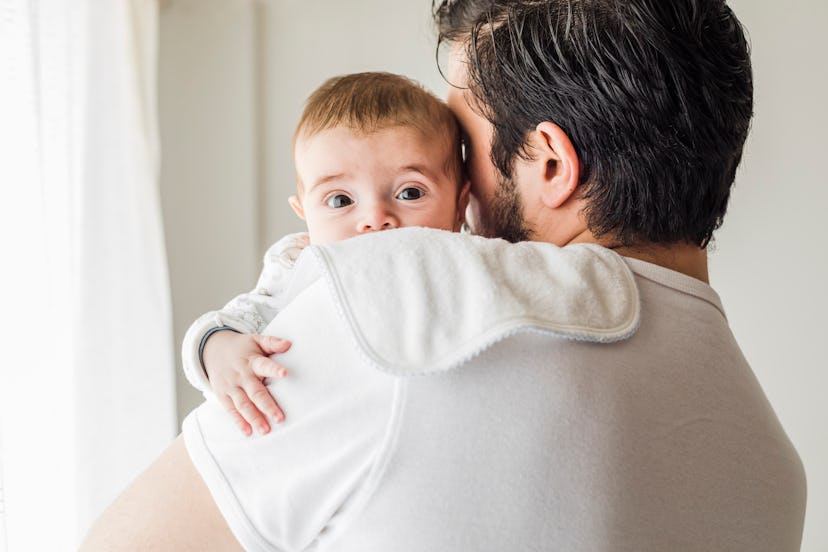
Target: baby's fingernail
(279, 417)
(263, 429)
(282, 372)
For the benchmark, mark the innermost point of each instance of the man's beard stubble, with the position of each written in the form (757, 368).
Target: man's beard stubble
(504, 216)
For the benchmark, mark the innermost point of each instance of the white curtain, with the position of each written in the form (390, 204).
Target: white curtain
(86, 363)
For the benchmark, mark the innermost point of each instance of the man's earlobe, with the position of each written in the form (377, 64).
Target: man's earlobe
(296, 205)
(560, 165)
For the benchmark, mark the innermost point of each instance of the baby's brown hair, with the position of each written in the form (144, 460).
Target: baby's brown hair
(368, 102)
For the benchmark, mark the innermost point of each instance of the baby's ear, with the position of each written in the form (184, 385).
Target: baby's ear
(296, 205)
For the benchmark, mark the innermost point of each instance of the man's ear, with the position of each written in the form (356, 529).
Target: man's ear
(462, 203)
(558, 164)
(296, 205)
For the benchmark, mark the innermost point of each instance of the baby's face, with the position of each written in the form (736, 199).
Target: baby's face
(351, 184)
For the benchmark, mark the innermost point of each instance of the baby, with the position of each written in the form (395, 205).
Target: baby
(373, 151)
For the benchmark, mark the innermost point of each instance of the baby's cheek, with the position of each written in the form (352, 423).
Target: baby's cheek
(442, 219)
(324, 231)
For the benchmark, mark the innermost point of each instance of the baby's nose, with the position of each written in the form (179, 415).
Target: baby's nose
(379, 217)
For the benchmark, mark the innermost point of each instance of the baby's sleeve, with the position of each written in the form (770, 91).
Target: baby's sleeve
(249, 312)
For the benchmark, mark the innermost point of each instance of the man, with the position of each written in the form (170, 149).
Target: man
(520, 396)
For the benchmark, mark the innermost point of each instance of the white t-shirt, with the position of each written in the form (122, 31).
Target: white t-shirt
(448, 392)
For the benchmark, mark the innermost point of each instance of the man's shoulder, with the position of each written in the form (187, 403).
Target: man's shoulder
(418, 297)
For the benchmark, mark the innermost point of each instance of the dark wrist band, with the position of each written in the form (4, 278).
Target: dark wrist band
(204, 339)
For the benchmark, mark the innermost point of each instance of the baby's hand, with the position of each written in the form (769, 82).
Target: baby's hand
(236, 364)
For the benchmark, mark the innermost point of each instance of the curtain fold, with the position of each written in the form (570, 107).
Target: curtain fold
(87, 384)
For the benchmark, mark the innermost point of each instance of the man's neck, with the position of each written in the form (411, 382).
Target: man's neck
(686, 258)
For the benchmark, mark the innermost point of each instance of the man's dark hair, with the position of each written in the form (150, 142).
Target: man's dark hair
(656, 96)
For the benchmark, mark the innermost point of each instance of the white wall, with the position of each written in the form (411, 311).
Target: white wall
(234, 74)
(209, 178)
(771, 260)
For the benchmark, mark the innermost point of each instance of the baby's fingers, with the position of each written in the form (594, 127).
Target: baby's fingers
(230, 407)
(263, 400)
(249, 411)
(265, 367)
(271, 345)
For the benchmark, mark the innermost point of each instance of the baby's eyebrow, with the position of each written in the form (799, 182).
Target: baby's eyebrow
(327, 178)
(417, 168)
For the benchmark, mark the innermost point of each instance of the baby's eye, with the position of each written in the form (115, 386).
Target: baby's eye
(339, 201)
(410, 194)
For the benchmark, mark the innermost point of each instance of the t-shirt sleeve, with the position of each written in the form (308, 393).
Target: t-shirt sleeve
(310, 473)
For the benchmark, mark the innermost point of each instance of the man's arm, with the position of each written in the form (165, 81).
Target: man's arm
(168, 507)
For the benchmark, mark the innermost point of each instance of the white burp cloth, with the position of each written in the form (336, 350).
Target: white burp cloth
(435, 299)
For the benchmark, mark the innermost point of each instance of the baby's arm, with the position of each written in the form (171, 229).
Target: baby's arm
(237, 360)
